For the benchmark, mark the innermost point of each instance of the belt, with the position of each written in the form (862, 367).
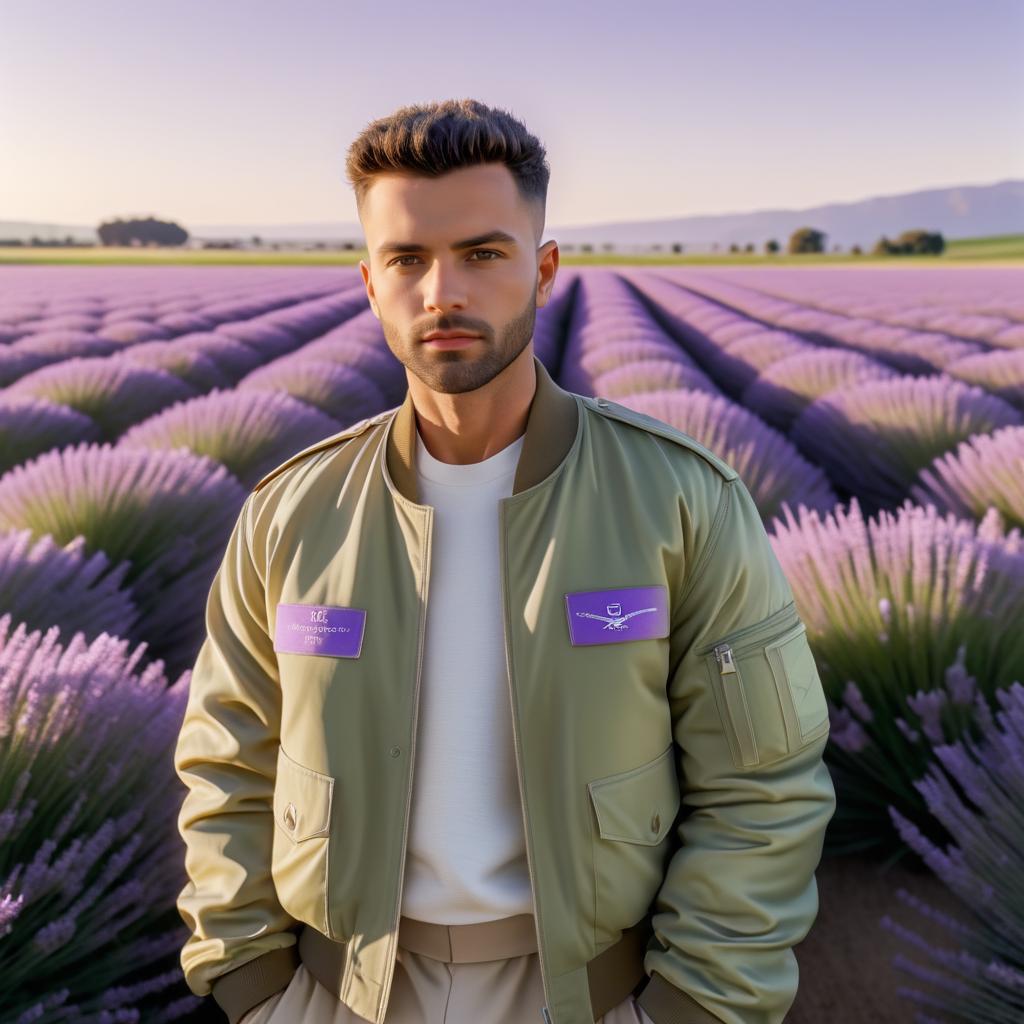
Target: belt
(613, 974)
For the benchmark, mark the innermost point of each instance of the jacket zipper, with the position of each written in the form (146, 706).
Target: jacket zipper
(735, 696)
(412, 760)
(545, 1015)
(736, 703)
(767, 626)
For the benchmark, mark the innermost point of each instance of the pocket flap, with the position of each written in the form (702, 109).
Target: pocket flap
(639, 805)
(794, 667)
(302, 799)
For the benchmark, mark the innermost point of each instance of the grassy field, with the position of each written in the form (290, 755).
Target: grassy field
(997, 250)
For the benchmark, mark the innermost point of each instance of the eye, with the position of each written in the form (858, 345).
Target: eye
(397, 262)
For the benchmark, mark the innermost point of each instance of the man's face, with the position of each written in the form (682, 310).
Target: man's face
(438, 283)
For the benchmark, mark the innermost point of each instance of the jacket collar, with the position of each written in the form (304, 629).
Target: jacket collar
(551, 428)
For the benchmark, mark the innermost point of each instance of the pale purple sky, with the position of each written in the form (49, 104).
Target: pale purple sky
(240, 111)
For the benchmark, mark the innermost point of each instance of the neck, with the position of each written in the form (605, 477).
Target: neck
(473, 425)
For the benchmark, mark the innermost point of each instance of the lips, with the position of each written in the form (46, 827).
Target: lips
(449, 336)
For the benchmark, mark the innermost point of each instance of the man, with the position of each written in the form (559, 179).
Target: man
(505, 712)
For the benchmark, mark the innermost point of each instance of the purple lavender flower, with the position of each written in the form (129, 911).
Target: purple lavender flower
(93, 868)
(872, 438)
(30, 426)
(168, 513)
(984, 472)
(250, 431)
(908, 615)
(340, 392)
(773, 470)
(112, 393)
(45, 584)
(975, 787)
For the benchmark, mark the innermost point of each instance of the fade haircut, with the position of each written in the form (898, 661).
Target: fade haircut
(431, 139)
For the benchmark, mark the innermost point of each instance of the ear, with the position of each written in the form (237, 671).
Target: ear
(368, 284)
(547, 267)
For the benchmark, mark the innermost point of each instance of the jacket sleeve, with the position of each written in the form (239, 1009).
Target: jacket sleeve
(226, 754)
(739, 891)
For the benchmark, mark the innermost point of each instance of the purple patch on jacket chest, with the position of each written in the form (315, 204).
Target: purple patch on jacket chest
(319, 629)
(611, 616)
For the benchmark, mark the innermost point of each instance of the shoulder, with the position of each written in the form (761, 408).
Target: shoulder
(353, 430)
(613, 410)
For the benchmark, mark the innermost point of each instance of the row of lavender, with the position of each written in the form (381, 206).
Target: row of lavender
(903, 598)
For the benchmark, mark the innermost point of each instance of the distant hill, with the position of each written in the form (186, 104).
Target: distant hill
(965, 211)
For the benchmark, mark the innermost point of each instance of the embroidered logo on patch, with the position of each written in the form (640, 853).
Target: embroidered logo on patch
(319, 629)
(609, 616)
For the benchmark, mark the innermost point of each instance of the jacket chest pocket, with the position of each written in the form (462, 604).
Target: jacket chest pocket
(767, 688)
(634, 812)
(303, 802)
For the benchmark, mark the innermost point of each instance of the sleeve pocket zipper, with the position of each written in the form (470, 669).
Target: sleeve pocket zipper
(777, 732)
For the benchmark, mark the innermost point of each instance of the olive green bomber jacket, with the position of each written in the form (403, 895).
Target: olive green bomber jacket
(669, 762)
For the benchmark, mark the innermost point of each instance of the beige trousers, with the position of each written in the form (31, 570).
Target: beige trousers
(428, 991)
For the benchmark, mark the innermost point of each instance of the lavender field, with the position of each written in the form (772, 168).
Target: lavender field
(876, 415)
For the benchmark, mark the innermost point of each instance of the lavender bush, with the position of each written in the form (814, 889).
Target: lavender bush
(168, 513)
(30, 426)
(872, 438)
(112, 393)
(43, 584)
(248, 431)
(975, 788)
(888, 604)
(90, 860)
(771, 467)
(984, 472)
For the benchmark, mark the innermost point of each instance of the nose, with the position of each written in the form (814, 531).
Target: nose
(443, 289)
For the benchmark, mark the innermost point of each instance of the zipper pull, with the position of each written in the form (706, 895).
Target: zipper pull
(723, 655)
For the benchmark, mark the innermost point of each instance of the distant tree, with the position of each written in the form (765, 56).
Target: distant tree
(256, 240)
(749, 247)
(586, 247)
(608, 246)
(35, 240)
(733, 247)
(771, 245)
(920, 242)
(678, 247)
(807, 240)
(837, 247)
(139, 231)
(714, 247)
(855, 250)
(916, 242)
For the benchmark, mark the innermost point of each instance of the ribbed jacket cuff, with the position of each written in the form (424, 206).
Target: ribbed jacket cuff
(666, 1004)
(239, 990)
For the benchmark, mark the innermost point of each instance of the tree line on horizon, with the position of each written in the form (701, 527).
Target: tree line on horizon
(151, 232)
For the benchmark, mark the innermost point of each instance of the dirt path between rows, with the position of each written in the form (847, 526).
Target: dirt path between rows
(846, 972)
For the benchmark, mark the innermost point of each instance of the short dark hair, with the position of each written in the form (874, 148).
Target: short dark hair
(433, 138)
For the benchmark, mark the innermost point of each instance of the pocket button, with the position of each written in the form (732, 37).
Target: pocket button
(290, 817)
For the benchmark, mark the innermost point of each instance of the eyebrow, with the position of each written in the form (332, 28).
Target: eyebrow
(468, 243)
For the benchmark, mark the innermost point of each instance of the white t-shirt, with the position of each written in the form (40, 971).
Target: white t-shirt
(466, 854)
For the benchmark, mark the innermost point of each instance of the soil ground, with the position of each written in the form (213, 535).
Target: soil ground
(846, 971)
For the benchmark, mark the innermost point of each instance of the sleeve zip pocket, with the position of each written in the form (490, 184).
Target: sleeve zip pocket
(767, 689)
